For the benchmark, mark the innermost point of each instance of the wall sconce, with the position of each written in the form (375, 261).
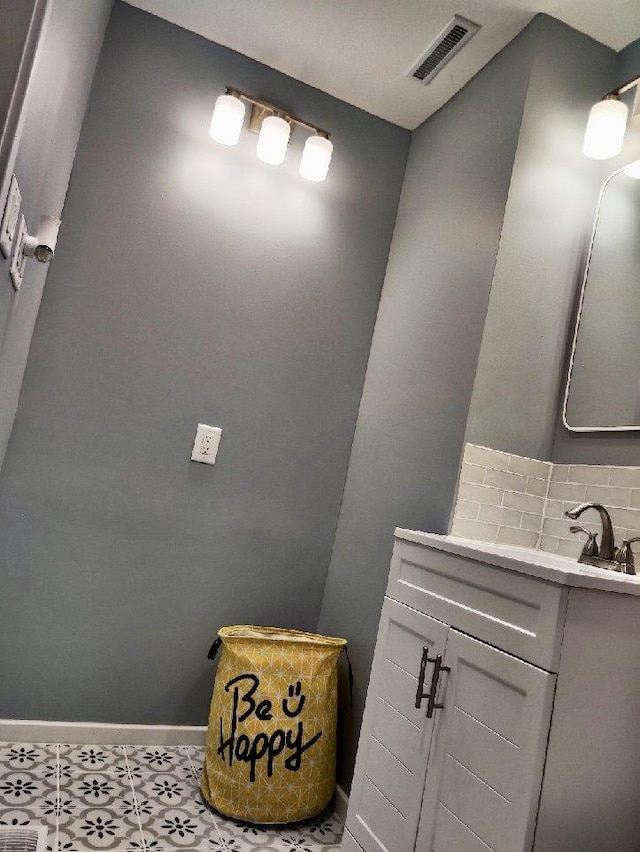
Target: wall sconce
(274, 127)
(607, 123)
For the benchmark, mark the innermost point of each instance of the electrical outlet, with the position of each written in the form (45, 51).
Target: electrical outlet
(10, 217)
(19, 259)
(205, 446)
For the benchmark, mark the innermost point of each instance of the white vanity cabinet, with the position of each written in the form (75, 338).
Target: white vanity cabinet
(504, 761)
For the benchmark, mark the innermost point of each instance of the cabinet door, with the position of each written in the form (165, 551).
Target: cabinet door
(384, 804)
(486, 762)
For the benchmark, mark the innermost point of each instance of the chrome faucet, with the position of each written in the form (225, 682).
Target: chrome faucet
(607, 548)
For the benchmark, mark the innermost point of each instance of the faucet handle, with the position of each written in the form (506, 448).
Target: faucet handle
(624, 556)
(590, 549)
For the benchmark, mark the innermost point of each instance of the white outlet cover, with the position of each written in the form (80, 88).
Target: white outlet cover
(10, 217)
(19, 259)
(205, 446)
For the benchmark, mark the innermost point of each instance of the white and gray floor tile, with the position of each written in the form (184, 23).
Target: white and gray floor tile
(133, 799)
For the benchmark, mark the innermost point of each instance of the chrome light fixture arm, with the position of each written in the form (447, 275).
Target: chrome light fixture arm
(262, 109)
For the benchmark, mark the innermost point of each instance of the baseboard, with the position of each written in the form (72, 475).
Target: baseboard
(99, 733)
(341, 803)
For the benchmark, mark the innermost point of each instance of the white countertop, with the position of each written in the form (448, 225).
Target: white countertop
(536, 563)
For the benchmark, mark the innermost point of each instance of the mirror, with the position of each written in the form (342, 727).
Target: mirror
(603, 383)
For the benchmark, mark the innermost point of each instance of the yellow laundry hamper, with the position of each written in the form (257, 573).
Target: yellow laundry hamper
(271, 744)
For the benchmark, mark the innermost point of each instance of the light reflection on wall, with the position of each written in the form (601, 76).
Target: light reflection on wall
(258, 200)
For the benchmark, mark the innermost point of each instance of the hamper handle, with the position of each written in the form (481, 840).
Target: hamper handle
(213, 650)
(350, 677)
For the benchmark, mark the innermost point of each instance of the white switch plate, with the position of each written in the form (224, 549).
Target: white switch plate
(205, 446)
(10, 217)
(19, 259)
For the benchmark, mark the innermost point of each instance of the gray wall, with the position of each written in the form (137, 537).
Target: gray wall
(17, 50)
(547, 218)
(605, 448)
(21, 26)
(628, 63)
(192, 284)
(409, 434)
(53, 111)
(16, 19)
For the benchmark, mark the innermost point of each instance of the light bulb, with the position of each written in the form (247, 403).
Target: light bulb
(226, 123)
(273, 140)
(633, 170)
(605, 129)
(316, 158)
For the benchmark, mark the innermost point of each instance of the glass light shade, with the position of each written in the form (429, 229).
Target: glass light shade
(605, 129)
(273, 140)
(635, 109)
(227, 120)
(316, 158)
(633, 170)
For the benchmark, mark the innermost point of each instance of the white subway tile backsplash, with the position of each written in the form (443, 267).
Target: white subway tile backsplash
(521, 538)
(589, 474)
(560, 473)
(626, 477)
(520, 501)
(523, 502)
(530, 467)
(471, 473)
(554, 509)
(628, 519)
(505, 480)
(468, 510)
(608, 496)
(549, 543)
(537, 487)
(499, 515)
(486, 457)
(531, 522)
(480, 494)
(567, 491)
(560, 528)
(572, 549)
(474, 530)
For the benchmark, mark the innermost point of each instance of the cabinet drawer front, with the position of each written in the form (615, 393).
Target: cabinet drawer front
(395, 739)
(523, 615)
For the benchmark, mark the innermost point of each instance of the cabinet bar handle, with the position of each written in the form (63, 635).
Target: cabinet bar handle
(420, 694)
(437, 668)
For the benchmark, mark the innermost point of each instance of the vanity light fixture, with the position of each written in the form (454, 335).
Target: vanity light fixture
(274, 127)
(227, 120)
(316, 157)
(607, 123)
(273, 140)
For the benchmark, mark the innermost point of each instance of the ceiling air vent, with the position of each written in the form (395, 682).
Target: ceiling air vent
(456, 34)
(29, 838)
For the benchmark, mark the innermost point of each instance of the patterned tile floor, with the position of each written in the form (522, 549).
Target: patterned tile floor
(125, 798)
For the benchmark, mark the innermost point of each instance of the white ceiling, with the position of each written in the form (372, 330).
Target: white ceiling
(360, 50)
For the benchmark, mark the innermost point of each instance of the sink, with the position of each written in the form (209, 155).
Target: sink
(536, 563)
